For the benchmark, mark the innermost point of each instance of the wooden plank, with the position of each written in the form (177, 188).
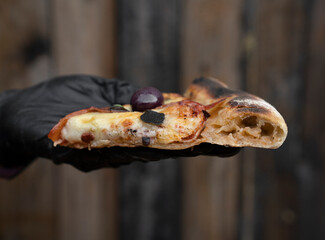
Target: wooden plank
(24, 43)
(148, 38)
(311, 170)
(278, 34)
(26, 202)
(210, 46)
(83, 42)
(148, 55)
(84, 35)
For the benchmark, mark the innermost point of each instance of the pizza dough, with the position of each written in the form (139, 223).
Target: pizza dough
(238, 119)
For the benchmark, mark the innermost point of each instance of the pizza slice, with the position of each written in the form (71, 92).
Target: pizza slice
(175, 125)
(210, 112)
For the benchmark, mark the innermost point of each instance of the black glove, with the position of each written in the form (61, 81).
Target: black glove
(27, 116)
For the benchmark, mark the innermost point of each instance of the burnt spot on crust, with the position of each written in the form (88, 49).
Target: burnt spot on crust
(214, 88)
(207, 82)
(247, 104)
(243, 100)
(206, 114)
(252, 109)
(221, 92)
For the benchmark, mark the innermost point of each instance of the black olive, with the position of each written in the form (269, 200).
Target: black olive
(153, 117)
(145, 141)
(146, 98)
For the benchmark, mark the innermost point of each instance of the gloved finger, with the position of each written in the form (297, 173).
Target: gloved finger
(87, 160)
(120, 92)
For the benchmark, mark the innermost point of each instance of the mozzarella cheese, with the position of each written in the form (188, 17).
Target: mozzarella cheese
(127, 129)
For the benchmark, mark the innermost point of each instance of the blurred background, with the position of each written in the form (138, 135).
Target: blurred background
(274, 49)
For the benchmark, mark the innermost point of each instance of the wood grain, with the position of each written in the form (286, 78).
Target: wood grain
(278, 70)
(26, 203)
(311, 169)
(28, 200)
(83, 42)
(148, 43)
(84, 34)
(210, 46)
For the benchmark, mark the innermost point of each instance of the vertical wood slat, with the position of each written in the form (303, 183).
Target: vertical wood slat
(277, 68)
(148, 56)
(26, 201)
(148, 39)
(210, 46)
(84, 37)
(280, 70)
(83, 42)
(24, 43)
(311, 171)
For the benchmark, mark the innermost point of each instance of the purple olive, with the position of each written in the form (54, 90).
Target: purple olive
(146, 98)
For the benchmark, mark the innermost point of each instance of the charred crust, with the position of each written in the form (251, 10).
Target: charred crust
(207, 82)
(241, 104)
(252, 109)
(221, 92)
(206, 114)
(215, 89)
(241, 101)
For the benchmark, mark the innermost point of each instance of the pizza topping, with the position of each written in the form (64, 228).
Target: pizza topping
(145, 141)
(87, 137)
(153, 117)
(146, 98)
(118, 108)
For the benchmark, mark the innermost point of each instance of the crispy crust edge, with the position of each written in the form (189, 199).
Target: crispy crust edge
(214, 93)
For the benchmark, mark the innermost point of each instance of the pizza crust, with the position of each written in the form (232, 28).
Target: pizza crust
(238, 119)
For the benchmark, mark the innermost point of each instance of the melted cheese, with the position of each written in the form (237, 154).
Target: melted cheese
(127, 129)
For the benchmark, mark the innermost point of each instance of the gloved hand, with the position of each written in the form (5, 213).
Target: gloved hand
(27, 116)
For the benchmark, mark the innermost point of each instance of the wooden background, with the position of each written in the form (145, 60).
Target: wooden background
(275, 49)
